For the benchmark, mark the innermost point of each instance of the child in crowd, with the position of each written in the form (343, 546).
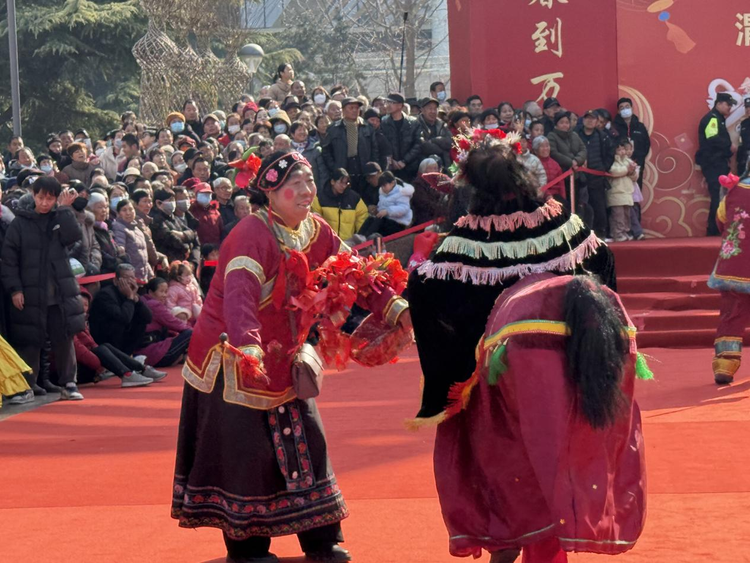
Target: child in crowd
(183, 295)
(394, 204)
(531, 163)
(635, 212)
(97, 363)
(207, 268)
(620, 196)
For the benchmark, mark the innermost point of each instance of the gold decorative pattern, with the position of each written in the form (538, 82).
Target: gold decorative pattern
(246, 263)
(394, 309)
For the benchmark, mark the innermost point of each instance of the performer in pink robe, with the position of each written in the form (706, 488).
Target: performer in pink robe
(251, 456)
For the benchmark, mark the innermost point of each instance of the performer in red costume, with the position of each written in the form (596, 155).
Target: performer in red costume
(251, 456)
(548, 454)
(731, 276)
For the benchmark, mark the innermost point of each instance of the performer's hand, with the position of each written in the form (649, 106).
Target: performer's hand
(404, 321)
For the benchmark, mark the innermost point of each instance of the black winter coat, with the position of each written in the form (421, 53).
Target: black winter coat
(165, 240)
(437, 140)
(334, 147)
(112, 317)
(405, 142)
(714, 142)
(638, 134)
(35, 262)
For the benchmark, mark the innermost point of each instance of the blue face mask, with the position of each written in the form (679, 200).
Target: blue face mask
(177, 126)
(279, 128)
(203, 198)
(441, 96)
(528, 123)
(273, 111)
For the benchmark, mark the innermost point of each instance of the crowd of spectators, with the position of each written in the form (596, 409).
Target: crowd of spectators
(109, 244)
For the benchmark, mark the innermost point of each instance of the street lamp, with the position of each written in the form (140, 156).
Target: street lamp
(252, 55)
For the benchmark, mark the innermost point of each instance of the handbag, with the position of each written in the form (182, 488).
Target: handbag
(307, 367)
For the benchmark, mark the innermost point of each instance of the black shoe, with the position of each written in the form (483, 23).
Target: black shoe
(50, 387)
(268, 558)
(722, 379)
(38, 391)
(333, 554)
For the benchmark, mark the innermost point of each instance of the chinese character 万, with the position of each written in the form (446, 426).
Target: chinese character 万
(547, 3)
(743, 24)
(544, 33)
(550, 88)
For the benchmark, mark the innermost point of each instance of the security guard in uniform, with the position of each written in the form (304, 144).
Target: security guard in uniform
(714, 151)
(744, 151)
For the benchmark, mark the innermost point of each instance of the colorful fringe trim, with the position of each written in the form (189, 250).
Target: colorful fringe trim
(490, 276)
(518, 249)
(552, 208)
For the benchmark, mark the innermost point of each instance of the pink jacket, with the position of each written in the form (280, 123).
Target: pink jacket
(184, 299)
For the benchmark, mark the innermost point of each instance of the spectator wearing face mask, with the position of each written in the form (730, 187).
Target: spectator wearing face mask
(629, 126)
(489, 119)
(280, 123)
(206, 210)
(437, 92)
(171, 237)
(179, 128)
(86, 250)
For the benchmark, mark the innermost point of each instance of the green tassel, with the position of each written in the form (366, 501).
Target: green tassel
(497, 365)
(642, 371)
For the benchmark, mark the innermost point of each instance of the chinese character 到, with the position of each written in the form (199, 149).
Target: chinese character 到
(550, 88)
(544, 33)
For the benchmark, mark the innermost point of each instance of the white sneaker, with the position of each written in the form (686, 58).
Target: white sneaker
(140, 359)
(70, 393)
(135, 379)
(608, 239)
(23, 398)
(154, 374)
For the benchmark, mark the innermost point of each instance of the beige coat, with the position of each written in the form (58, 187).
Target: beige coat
(280, 90)
(621, 192)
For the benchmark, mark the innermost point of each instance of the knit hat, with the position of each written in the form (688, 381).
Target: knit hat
(372, 112)
(174, 115)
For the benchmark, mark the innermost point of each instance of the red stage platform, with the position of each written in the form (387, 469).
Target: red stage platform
(662, 283)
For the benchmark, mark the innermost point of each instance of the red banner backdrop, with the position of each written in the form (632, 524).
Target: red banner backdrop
(670, 56)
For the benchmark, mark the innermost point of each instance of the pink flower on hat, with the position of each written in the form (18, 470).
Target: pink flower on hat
(272, 175)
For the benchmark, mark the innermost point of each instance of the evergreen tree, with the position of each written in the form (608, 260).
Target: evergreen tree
(75, 64)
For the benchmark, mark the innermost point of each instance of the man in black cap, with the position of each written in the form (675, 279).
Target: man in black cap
(372, 116)
(434, 135)
(715, 148)
(628, 125)
(350, 144)
(599, 156)
(744, 150)
(550, 108)
(402, 132)
(370, 193)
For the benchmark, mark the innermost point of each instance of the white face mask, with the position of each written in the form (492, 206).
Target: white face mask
(491, 126)
(168, 207)
(608, 126)
(233, 129)
(99, 152)
(627, 113)
(46, 168)
(279, 128)
(113, 203)
(441, 96)
(181, 167)
(319, 99)
(203, 198)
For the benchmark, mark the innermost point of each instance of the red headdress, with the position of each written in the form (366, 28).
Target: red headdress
(247, 170)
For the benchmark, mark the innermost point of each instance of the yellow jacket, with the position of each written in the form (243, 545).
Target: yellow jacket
(345, 213)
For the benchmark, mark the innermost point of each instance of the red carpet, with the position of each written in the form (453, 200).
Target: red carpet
(90, 482)
(663, 285)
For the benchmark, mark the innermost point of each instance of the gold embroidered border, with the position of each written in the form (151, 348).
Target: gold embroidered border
(246, 263)
(394, 309)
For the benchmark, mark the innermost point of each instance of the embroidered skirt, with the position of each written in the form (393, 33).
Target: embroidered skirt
(252, 472)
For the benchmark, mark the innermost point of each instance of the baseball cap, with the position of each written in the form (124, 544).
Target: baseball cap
(202, 187)
(350, 100)
(428, 100)
(591, 112)
(396, 98)
(725, 97)
(549, 102)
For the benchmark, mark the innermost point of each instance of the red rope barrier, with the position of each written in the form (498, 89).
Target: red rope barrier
(397, 235)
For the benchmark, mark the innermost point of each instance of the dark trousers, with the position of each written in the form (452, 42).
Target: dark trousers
(383, 226)
(598, 201)
(583, 208)
(131, 339)
(714, 190)
(62, 348)
(177, 348)
(316, 539)
(116, 361)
